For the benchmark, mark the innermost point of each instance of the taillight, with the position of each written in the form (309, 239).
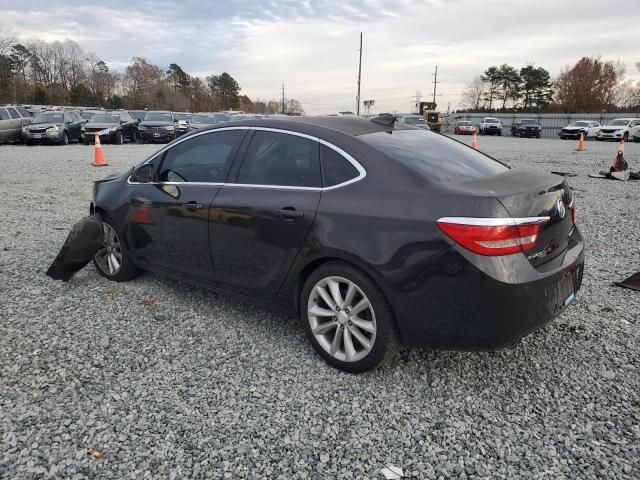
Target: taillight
(493, 236)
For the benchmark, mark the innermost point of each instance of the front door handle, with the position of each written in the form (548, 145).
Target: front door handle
(192, 205)
(290, 212)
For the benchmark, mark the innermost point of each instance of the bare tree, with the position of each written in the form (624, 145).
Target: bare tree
(473, 95)
(7, 40)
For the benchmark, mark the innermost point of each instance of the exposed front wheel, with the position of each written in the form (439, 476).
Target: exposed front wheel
(347, 319)
(65, 139)
(625, 137)
(112, 260)
(117, 139)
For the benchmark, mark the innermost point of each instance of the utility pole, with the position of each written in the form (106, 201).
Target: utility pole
(359, 76)
(283, 99)
(418, 98)
(435, 84)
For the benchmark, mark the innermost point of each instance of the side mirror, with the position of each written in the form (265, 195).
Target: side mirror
(143, 174)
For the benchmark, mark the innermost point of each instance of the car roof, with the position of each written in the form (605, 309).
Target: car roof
(333, 129)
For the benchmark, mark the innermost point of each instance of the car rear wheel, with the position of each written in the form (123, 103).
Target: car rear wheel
(112, 260)
(117, 139)
(347, 318)
(65, 139)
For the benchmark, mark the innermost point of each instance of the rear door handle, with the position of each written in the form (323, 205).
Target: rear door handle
(192, 205)
(290, 212)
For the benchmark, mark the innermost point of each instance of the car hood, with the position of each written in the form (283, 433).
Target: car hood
(614, 127)
(101, 125)
(38, 126)
(574, 127)
(156, 124)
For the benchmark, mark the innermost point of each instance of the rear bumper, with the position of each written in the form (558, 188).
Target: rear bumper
(460, 307)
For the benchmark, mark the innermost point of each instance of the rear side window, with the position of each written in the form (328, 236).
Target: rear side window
(335, 168)
(204, 158)
(13, 112)
(23, 112)
(280, 159)
(434, 156)
(3, 114)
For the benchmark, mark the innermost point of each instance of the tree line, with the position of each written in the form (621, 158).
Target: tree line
(590, 86)
(63, 73)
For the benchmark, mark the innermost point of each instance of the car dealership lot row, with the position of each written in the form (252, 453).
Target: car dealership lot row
(194, 382)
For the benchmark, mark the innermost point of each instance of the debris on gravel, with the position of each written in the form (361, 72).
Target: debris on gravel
(197, 385)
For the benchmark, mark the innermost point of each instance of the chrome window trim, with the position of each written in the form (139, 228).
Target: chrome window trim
(361, 171)
(494, 222)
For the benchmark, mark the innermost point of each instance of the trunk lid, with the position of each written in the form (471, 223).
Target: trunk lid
(525, 194)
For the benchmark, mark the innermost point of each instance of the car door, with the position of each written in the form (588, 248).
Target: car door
(261, 219)
(593, 129)
(15, 124)
(167, 222)
(634, 128)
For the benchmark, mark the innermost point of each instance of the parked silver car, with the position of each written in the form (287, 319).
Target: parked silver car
(12, 120)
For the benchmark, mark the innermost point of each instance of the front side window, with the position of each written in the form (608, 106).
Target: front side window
(203, 158)
(24, 112)
(13, 112)
(335, 168)
(4, 115)
(282, 160)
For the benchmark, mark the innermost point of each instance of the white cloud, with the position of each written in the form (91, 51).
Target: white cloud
(312, 45)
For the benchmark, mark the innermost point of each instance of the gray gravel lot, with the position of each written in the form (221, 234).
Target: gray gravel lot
(170, 381)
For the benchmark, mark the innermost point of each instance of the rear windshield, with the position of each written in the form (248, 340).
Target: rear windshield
(434, 156)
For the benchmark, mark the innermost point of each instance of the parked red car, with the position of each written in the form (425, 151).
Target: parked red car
(464, 128)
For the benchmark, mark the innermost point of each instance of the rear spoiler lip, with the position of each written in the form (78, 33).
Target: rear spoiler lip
(494, 222)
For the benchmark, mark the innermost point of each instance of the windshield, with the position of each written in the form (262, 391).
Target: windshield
(49, 117)
(138, 114)
(182, 116)
(105, 119)
(414, 120)
(221, 117)
(491, 120)
(203, 119)
(621, 122)
(529, 122)
(158, 117)
(238, 118)
(579, 124)
(87, 115)
(435, 157)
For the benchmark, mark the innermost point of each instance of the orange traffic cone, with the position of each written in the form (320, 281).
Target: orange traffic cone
(621, 147)
(474, 142)
(98, 158)
(581, 143)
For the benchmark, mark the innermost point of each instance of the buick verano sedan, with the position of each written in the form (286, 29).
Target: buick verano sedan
(375, 233)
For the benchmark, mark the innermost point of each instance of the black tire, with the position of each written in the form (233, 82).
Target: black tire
(625, 137)
(499, 134)
(134, 136)
(141, 140)
(117, 139)
(65, 139)
(385, 342)
(85, 140)
(127, 269)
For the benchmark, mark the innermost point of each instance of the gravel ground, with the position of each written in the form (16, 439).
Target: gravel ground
(169, 381)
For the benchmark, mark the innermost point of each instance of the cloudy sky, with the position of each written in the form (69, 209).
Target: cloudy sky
(312, 45)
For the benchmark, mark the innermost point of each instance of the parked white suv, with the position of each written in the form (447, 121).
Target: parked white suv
(588, 128)
(490, 126)
(620, 129)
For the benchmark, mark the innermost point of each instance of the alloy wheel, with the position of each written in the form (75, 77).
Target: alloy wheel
(109, 257)
(342, 319)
